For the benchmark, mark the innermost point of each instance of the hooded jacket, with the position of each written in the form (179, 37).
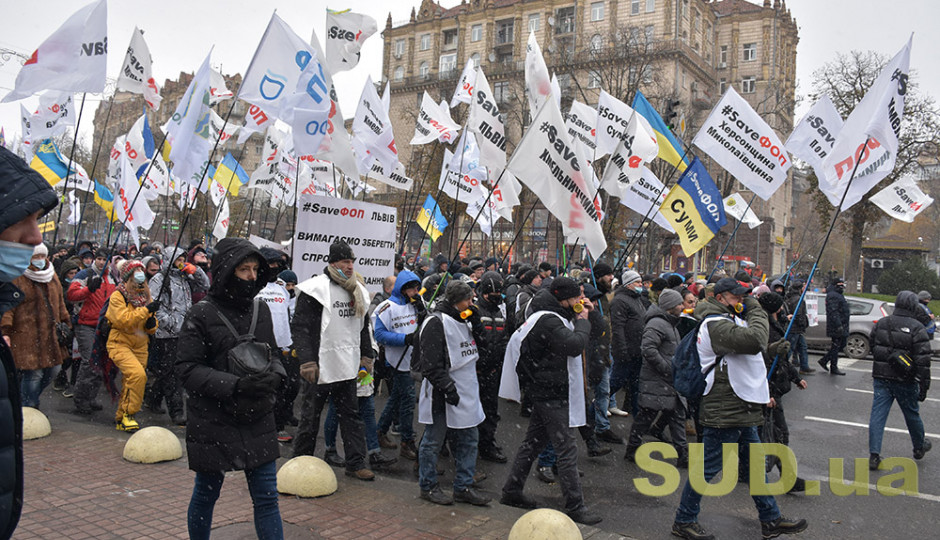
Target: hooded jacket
(383, 335)
(92, 302)
(177, 297)
(627, 314)
(800, 318)
(901, 332)
(215, 440)
(837, 313)
(498, 326)
(660, 339)
(543, 360)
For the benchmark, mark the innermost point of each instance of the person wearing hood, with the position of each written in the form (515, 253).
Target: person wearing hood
(395, 322)
(627, 313)
(837, 325)
(30, 328)
(497, 327)
(550, 372)
(926, 316)
(131, 313)
(900, 372)
(333, 344)
(173, 287)
(531, 282)
(198, 256)
(657, 394)
(152, 266)
(449, 400)
(92, 288)
(230, 419)
(798, 327)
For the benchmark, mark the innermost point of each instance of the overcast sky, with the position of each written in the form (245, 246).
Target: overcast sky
(180, 34)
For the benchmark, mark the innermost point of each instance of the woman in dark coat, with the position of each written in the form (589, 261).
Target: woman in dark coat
(230, 418)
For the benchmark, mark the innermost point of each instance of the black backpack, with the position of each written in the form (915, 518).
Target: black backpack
(687, 376)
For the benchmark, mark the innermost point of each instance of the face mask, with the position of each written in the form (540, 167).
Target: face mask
(242, 288)
(14, 259)
(139, 277)
(291, 293)
(38, 263)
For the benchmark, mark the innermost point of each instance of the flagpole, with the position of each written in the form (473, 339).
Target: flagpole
(294, 209)
(91, 175)
(730, 238)
(415, 199)
(521, 226)
(130, 209)
(228, 185)
(68, 170)
(822, 248)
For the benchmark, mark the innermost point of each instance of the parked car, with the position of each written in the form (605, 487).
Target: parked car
(865, 313)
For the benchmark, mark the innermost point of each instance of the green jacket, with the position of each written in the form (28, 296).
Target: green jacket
(721, 408)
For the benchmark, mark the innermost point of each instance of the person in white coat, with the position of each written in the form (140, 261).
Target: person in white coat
(449, 399)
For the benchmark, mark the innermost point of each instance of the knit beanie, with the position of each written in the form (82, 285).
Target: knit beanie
(629, 276)
(565, 287)
(340, 251)
(602, 269)
(669, 299)
(41, 249)
(771, 302)
(457, 291)
(128, 267)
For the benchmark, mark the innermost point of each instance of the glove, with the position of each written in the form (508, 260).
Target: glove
(410, 339)
(922, 396)
(259, 384)
(367, 363)
(189, 269)
(151, 323)
(93, 283)
(154, 306)
(452, 397)
(779, 348)
(310, 371)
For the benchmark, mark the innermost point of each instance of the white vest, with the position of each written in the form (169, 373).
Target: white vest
(278, 299)
(509, 380)
(462, 350)
(400, 319)
(339, 328)
(747, 372)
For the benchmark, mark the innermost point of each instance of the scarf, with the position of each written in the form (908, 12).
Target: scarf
(40, 276)
(138, 297)
(350, 285)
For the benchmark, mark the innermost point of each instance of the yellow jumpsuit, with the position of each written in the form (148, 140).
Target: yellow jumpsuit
(127, 347)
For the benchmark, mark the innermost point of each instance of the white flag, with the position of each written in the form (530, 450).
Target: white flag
(345, 33)
(485, 122)
(189, 131)
(647, 192)
(813, 138)
(220, 230)
(461, 187)
(221, 130)
(548, 163)
(464, 91)
(137, 72)
(26, 123)
(311, 105)
(582, 128)
(73, 59)
(75, 209)
(876, 119)
(132, 213)
(395, 179)
(218, 92)
(902, 200)
(275, 70)
(256, 121)
(613, 117)
(737, 207)
(736, 137)
(538, 85)
(372, 131)
(56, 112)
(140, 150)
(627, 163)
(433, 123)
(187, 193)
(486, 210)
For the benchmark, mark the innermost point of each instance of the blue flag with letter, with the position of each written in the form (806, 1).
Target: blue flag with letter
(694, 208)
(431, 219)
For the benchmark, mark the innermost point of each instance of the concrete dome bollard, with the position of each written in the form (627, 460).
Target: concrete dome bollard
(152, 445)
(544, 524)
(306, 476)
(35, 424)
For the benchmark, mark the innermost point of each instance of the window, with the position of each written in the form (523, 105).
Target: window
(535, 22)
(597, 43)
(597, 11)
(634, 35)
(399, 48)
(649, 31)
(722, 85)
(564, 20)
(425, 42)
(748, 85)
(723, 56)
(647, 74)
(476, 32)
(501, 92)
(504, 32)
(750, 52)
(594, 80)
(475, 58)
(424, 70)
(650, 6)
(450, 40)
(634, 7)
(684, 9)
(448, 63)
(399, 73)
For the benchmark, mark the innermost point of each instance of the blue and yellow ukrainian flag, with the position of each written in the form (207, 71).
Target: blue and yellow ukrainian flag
(230, 174)
(105, 199)
(670, 149)
(694, 208)
(433, 225)
(48, 162)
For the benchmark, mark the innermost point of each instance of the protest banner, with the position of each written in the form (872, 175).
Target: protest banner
(736, 137)
(739, 209)
(486, 122)
(813, 138)
(639, 196)
(369, 229)
(582, 127)
(902, 200)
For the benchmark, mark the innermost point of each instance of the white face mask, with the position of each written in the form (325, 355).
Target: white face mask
(40, 264)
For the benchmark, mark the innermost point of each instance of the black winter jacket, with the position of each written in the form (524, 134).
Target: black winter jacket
(901, 332)
(497, 329)
(800, 318)
(215, 439)
(435, 360)
(11, 427)
(785, 372)
(543, 361)
(305, 331)
(837, 314)
(627, 315)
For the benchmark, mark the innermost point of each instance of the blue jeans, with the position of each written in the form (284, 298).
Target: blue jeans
(463, 444)
(602, 403)
(262, 484)
(906, 395)
(366, 411)
(401, 401)
(689, 506)
(798, 350)
(33, 382)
